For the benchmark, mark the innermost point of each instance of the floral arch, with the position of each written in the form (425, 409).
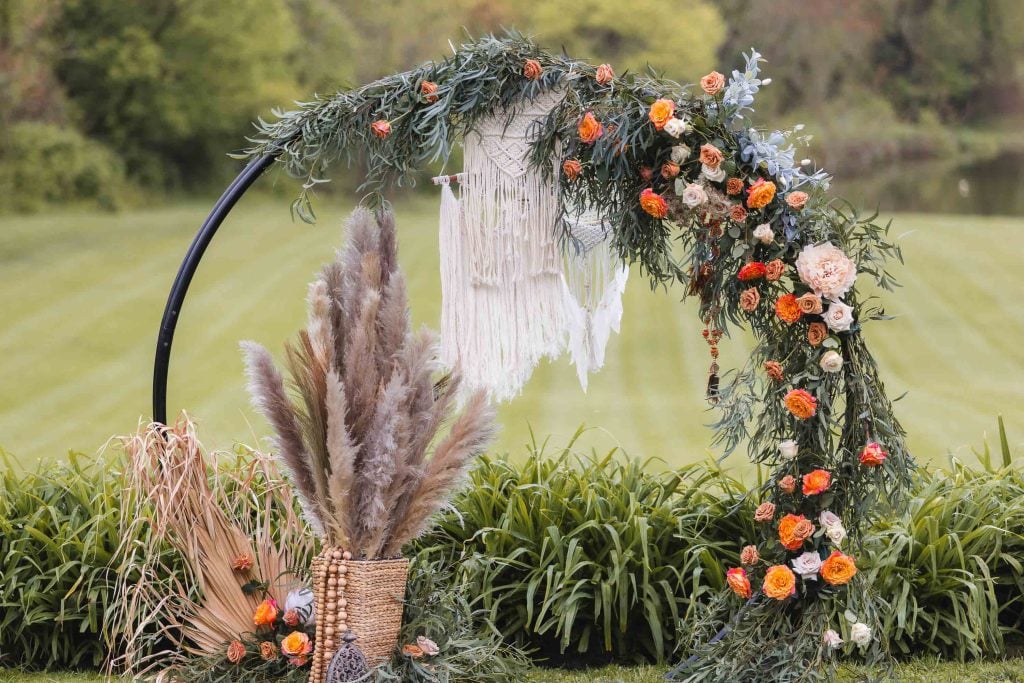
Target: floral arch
(695, 195)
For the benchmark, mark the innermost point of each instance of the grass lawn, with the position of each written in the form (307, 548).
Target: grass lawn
(82, 294)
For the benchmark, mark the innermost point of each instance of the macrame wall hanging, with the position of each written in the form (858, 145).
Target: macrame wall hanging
(510, 294)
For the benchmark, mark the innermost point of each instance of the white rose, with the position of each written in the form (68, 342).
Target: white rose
(807, 565)
(715, 175)
(764, 233)
(860, 633)
(828, 519)
(836, 533)
(694, 195)
(839, 316)
(788, 449)
(680, 153)
(831, 362)
(832, 639)
(676, 127)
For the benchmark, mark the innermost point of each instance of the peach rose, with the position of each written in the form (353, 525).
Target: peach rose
(796, 200)
(236, 652)
(737, 213)
(669, 170)
(414, 651)
(873, 455)
(779, 582)
(838, 569)
(810, 303)
(381, 128)
(661, 111)
(590, 129)
(428, 88)
(733, 186)
(816, 482)
(794, 530)
(749, 555)
(572, 168)
(774, 270)
(801, 404)
(653, 203)
(532, 69)
(266, 613)
(765, 512)
(713, 83)
(605, 74)
(760, 194)
(738, 582)
(749, 299)
(826, 270)
(773, 369)
(787, 308)
(268, 651)
(242, 563)
(787, 484)
(816, 333)
(711, 156)
(291, 618)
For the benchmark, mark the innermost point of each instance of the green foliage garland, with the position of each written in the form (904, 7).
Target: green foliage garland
(629, 149)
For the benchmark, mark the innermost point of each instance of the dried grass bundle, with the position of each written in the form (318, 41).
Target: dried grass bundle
(367, 401)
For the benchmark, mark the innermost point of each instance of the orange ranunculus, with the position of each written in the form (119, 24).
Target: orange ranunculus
(713, 83)
(428, 88)
(590, 129)
(796, 200)
(779, 582)
(669, 170)
(661, 111)
(794, 530)
(787, 484)
(268, 651)
(752, 271)
(532, 69)
(801, 404)
(773, 369)
(653, 203)
(266, 613)
(711, 156)
(572, 169)
(738, 582)
(296, 645)
(816, 482)
(605, 74)
(810, 303)
(733, 186)
(381, 128)
(838, 568)
(873, 454)
(760, 194)
(774, 270)
(236, 652)
(787, 308)
(242, 563)
(816, 333)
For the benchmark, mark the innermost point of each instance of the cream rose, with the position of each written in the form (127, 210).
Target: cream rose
(836, 533)
(715, 175)
(831, 361)
(694, 195)
(676, 127)
(788, 449)
(839, 316)
(764, 234)
(860, 633)
(826, 269)
(680, 153)
(807, 565)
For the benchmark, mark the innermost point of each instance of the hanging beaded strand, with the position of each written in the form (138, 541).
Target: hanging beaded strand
(712, 335)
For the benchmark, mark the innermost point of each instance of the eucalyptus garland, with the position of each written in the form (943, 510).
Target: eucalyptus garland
(697, 195)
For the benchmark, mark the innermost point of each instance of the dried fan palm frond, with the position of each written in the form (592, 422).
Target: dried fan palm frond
(369, 400)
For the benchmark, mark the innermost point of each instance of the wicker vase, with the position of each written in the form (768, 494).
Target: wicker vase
(364, 596)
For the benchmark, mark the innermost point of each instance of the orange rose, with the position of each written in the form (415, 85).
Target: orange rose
(816, 333)
(268, 651)
(787, 308)
(801, 404)
(669, 170)
(653, 203)
(765, 512)
(738, 582)
(749, 555)
(532, 69)
(794, 530)
(773, 369)
(752, 271)
(749, 299)
(787, 484)
(838, 569)
(810, 303)
(774, 270)
(713, 83)
(414, 651)
(590, 129)
(242, 563)
(661, 111)
(236, 652)
(266, 613)
(296, 645)
(604, 74)
(816, 482)
(873, 454)
(428, 89)
(737, 213)
(779, 582)
(733, 186)
(760, 194)
(796, 200)
(711, 156)
(381, 128)
(572, 169)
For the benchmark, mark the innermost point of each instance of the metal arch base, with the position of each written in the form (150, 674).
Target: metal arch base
(176, 297)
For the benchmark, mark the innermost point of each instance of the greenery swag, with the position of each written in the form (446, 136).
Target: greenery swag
(699, 196)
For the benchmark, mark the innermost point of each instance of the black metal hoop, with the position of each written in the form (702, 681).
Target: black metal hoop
(176, 297)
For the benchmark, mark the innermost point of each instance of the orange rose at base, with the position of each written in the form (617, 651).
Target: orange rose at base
(838, 569)
(816, 482)
(873, 455)
(760, 194)
(661, 111)
(590, 129)
(738, 582)
(653, 203)
(779, 582)
(801, 404)
(266, 613)
(794, 530)
(296, 646)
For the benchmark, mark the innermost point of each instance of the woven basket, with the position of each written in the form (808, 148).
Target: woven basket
(364, 596)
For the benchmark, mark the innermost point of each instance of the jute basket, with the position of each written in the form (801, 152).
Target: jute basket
(364, 596)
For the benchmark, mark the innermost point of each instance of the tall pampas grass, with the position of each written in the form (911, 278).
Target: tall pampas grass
(358, 425)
